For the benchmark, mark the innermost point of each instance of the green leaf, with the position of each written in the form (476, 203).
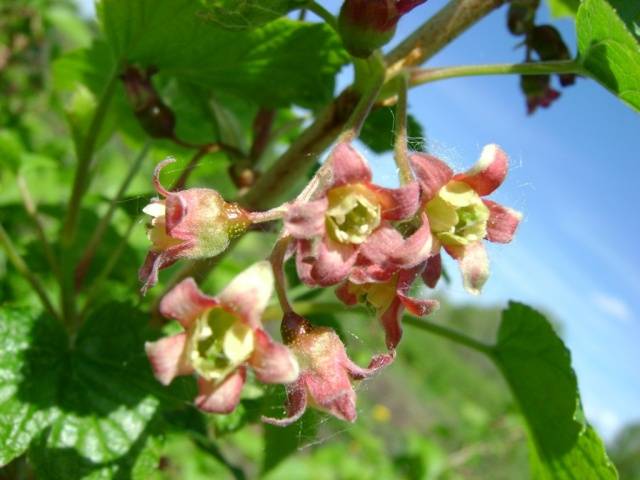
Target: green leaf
(90, 412)
(537, 367)
(608, 51)
(11, 149)
(247, 14)
(28, 378)
(563, 8)
(281, 63)
(378, 134)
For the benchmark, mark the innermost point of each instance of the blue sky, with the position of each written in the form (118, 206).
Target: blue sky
(574, 170)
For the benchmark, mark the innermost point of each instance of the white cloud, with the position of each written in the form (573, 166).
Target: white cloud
(613, 306)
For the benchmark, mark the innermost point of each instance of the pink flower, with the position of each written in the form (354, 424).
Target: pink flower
(389, 299)
(223, 336)
(193, 223)
(538, 91)
(326, 372)
(460, 218)
(346, 228)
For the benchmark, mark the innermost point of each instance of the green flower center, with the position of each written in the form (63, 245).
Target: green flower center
(457, 215)
(353, 214)
(219, 343)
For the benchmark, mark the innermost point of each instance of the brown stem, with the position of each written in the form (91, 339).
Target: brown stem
(262, 126)
(431, 37)
(180, 183)
(437, 32)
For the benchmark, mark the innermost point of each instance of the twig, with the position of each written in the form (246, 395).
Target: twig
(401, 154)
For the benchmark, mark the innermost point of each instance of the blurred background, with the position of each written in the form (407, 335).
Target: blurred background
(440, 412)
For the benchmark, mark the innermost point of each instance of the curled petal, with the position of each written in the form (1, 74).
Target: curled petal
(474, 265)
(333, 262)
(348, 166)
(378, 362)
(432, 173)
(221, 397)
(248, 293)
(432, 271)
(296, 405)
(166, 357)
(156, 261)
(503, 222)
(156, 176)
(185, 302)
(272, 361)
(306, 219)
(398, 203)
(488, 172)
(417, 306)
(332, 391)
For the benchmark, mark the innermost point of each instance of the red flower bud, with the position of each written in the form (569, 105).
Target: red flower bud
(366, 25)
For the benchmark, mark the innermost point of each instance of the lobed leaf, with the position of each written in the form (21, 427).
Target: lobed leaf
(281, 63)
(89, 412)
(537, 367)
(247, 14)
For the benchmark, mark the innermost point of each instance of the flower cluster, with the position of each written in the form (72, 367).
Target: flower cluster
(371, 243)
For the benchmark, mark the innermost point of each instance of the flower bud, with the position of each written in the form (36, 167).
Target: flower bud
(548, 44)
(366, 25)
(194, 223)
(155, 117)
(538, 90)
(521, 15)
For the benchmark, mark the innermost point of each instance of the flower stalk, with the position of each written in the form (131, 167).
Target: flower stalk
(427, 75)
(401, 154)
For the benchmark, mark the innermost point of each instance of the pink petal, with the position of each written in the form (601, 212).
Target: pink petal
(331, 390)
(333, 262)
(398, 203)
(488, 172)
(343, 292)
(272, 361)
(222, 397)
(348, 166)
(386, 251)
(166, 357)
(296, 405)
(433, 270)
(377, 363)
(503, 222)
(185, 302)
(418, 307)
(304, 261)
(306, 219)
(432, 173)
(390, 321)
(474, 265)
(249, 292)
(156, 261)
(176, 210)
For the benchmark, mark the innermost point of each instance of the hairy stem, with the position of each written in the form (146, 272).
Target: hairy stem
(437, 32)
(449, 334)
(427, 75)
(85, 154)
(401, 153)
(277, 264)
(80, 185)
(90, 249)
(22, 268)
